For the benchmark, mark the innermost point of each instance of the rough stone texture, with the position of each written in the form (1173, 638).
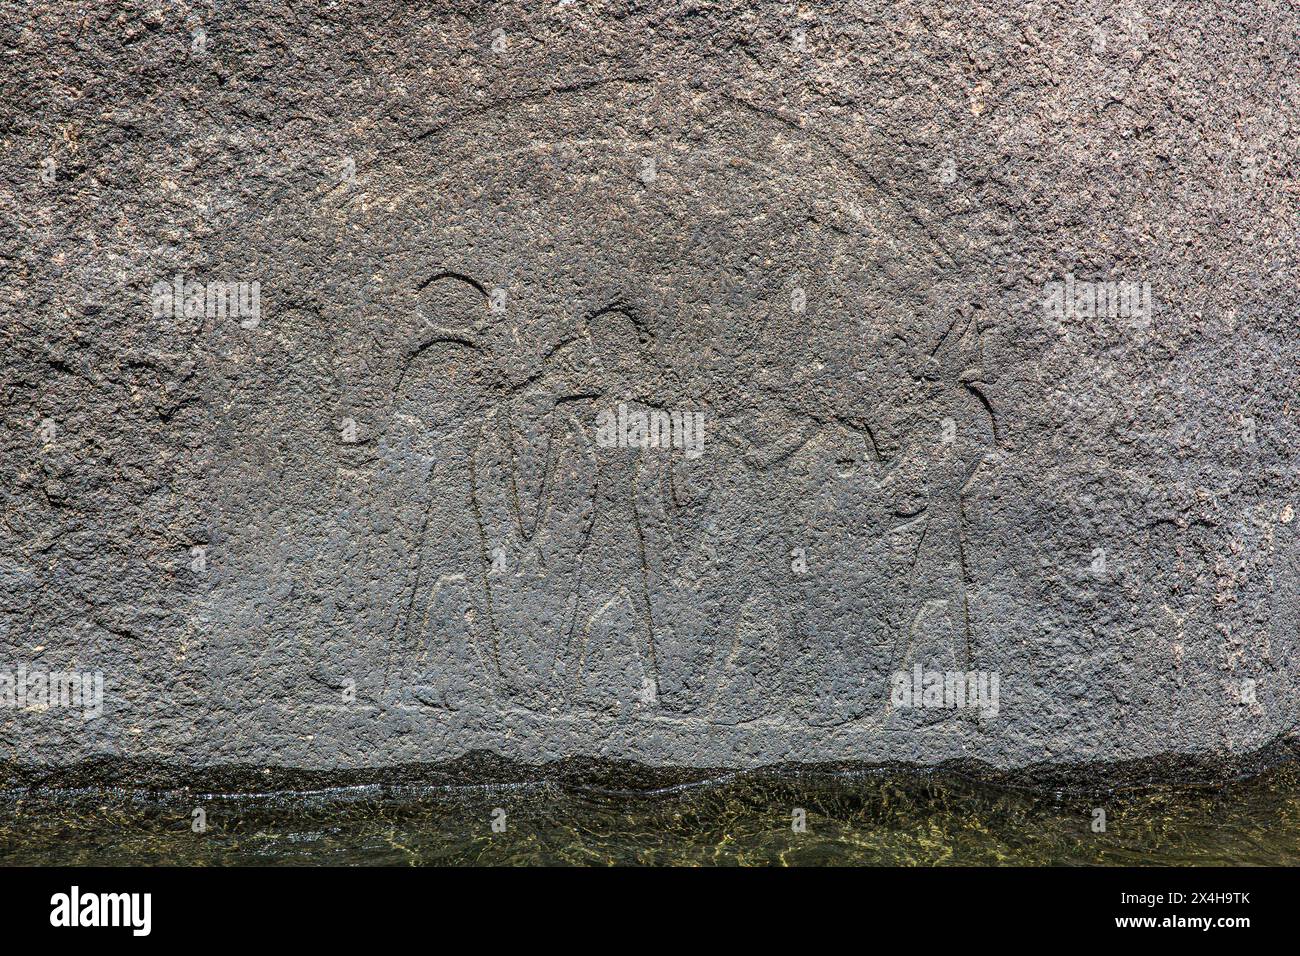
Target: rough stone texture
(469, 243)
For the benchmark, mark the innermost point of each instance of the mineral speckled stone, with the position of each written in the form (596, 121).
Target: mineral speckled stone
(696, 385)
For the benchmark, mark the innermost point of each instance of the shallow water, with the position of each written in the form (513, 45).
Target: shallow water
(891, 818)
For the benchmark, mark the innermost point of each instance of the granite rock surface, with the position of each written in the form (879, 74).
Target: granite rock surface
(676, 383)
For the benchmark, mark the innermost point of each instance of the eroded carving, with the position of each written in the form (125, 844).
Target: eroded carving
(571, 576)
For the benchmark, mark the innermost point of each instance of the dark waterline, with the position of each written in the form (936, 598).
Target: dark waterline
(882, 817)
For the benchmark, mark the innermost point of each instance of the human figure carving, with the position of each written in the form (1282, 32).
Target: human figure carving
(607, 659)
(447, 655)
(573, 602)
(955, 433)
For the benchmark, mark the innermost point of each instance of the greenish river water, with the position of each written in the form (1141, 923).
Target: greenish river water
(890, 818)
